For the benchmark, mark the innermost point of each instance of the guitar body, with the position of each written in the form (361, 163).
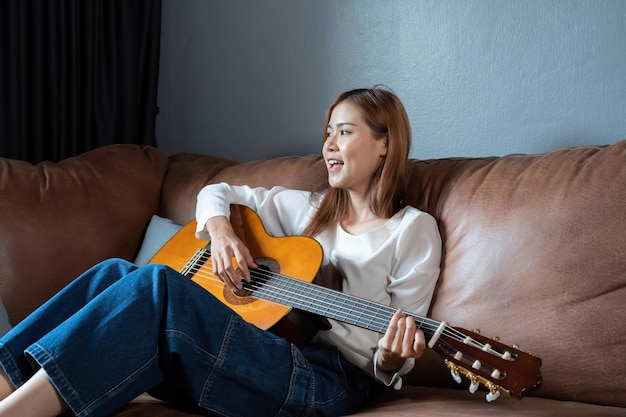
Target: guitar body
(294, 256)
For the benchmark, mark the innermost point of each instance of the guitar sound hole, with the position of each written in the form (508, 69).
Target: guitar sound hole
(242, 292)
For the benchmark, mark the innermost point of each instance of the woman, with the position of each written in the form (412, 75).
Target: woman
(119, 330)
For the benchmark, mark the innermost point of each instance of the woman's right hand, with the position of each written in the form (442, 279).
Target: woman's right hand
(226, 245)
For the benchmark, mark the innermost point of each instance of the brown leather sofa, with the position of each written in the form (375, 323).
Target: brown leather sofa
(534, 252)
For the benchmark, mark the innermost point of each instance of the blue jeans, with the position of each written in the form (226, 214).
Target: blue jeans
(118, 331)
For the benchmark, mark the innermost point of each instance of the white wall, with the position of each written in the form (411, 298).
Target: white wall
(248, 79)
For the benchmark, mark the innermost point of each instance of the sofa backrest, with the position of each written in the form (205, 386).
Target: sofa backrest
(56, 220)
(534, 245)
(188, 173)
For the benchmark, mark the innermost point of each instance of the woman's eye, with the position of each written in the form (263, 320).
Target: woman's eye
(345, 132)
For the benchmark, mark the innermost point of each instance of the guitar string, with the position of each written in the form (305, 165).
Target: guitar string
(381, 321)
(317, 302)
(352, 310)
(429, 324)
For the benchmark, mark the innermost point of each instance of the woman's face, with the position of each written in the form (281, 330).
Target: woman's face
(351, 152)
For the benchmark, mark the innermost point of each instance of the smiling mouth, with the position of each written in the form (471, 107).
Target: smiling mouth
(333, 163)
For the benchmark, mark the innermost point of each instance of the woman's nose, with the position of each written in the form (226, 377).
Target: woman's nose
(331, 142)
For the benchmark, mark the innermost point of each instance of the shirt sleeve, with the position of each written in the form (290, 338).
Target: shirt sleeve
(418, 259)
(272, 206)
(412, 281)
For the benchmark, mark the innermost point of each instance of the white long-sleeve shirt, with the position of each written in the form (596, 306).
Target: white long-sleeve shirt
(396, 264)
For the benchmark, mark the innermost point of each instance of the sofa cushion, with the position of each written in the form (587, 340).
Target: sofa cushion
(426, 401)
(159, 231)
(59, 219)
(535, 252)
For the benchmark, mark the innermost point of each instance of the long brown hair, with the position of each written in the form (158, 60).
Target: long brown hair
(385, 115)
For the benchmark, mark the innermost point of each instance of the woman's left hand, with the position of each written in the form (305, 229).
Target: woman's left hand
(401, 341)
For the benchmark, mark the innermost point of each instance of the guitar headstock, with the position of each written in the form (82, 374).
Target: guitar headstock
(487, 361)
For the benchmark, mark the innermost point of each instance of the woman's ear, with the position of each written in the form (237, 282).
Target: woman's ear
(385, 143)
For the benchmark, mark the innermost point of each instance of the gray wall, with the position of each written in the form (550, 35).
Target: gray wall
(249, 79)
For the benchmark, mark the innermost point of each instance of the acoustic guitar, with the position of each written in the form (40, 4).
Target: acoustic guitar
(283, 283)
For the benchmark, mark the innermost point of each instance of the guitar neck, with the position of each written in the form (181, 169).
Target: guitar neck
(329, 303)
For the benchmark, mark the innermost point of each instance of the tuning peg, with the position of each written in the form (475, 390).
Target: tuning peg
(477, 331)
(493, 394)
(496, 338)
(474, 385)
(515, 346)
(455, 375)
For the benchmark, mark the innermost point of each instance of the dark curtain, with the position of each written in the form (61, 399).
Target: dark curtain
(76, 75)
